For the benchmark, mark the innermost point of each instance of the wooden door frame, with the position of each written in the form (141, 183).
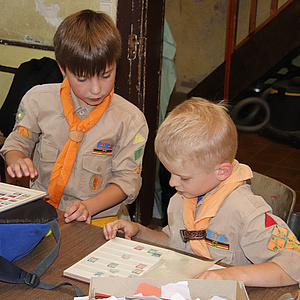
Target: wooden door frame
(138, 81)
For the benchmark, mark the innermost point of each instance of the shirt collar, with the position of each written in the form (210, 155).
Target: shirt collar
(76, 104)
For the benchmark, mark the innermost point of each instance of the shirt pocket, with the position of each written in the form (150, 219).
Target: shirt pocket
(47, 156)
(48, 152)
(96, 172)
(226, 256)
(96, 164)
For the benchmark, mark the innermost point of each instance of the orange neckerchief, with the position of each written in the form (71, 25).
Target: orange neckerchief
(65, 161)
(211, 205)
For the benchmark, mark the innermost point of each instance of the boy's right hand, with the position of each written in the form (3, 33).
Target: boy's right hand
(129, 228)
(22, 167)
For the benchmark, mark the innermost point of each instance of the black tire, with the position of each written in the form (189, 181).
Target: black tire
(242, 123)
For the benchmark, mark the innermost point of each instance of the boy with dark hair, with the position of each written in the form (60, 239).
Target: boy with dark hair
(88, 142)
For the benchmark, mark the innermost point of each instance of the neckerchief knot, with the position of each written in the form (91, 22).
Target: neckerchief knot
(76, 135)
(211, 205)
(63, 166)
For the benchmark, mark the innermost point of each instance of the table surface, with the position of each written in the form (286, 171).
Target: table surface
(78, 240)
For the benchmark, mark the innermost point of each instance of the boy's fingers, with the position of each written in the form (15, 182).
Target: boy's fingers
(77, 211)
(17, 170)
(70, 209)
(110, 231)
(104, 232)
(11, 172)
(70, 217)
(70, 213)
(81, 217)
(21, 169)
(28, 166)
(32, 172)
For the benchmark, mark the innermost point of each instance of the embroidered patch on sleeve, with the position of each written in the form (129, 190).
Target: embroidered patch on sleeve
(138, 139)
(216, 240)
(282, 238)
(20, 115)
(103, 148)
(23, 131)
(138, 170)
(137, 154)
(269, 221)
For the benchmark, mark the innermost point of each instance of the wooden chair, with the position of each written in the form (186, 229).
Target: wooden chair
(279, 196)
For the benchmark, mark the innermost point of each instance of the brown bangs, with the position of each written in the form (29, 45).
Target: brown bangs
(86, 43)
(88, 65)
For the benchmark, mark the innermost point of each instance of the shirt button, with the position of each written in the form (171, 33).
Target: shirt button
(65, 197)
(81, 112)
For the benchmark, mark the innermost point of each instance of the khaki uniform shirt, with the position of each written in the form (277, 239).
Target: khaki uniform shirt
(122, 129)
(238, 234)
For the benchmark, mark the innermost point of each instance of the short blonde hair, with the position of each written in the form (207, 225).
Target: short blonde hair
(197, 131)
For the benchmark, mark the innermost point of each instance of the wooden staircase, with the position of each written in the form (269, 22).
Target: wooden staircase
(264, 48)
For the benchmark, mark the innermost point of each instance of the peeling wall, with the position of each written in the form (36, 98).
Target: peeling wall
(199, 29)
(35, 21)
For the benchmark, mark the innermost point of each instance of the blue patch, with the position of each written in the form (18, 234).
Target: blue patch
(103, 148)
(214, 236)
(106, 146)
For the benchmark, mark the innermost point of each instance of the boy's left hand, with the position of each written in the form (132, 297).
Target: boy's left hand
(268, 274)
(222, 274)
(77, 211)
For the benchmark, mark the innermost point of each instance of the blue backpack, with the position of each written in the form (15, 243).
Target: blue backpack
(21, 229)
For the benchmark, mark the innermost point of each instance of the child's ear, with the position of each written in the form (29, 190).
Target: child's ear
(61, 69)
(224, 170)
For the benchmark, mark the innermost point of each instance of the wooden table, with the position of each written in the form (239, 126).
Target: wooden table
(78, 240)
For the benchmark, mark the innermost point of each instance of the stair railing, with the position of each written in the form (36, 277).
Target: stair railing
(231, 31)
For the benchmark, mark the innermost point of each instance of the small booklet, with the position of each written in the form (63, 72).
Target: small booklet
(13, 195)
(126, 258)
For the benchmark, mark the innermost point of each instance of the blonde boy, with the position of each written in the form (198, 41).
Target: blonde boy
(214, 213)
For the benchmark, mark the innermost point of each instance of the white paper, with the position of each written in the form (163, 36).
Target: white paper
(177, 265)
(141, 297)
(171, 289)
(177, 296)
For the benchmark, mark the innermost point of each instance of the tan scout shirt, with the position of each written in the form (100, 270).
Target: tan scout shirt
(122, 129)
(238, 234)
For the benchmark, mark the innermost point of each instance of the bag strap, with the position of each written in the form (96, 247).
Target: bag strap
(11, 273)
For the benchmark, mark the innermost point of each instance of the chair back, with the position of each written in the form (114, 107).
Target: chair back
(278, 195)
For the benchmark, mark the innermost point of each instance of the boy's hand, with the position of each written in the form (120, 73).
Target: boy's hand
(222, 274)
(77, 211)
(129, 228)
(268, 274)
(22, 167)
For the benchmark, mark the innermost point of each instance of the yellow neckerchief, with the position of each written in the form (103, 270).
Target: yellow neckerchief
(65, 161)
(211, 205)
